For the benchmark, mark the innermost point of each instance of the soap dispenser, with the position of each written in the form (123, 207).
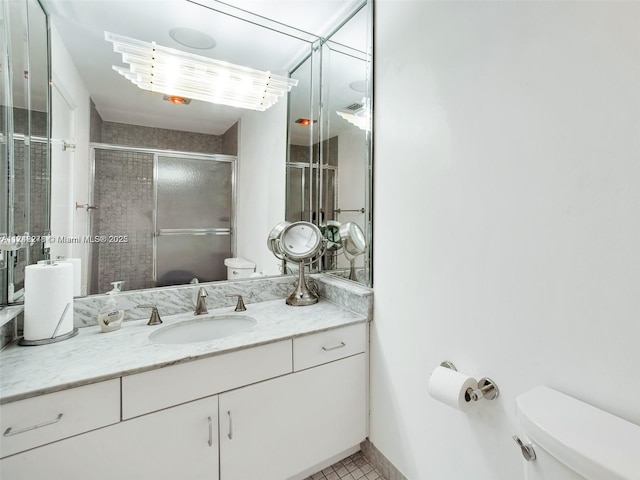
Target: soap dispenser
(111, 315)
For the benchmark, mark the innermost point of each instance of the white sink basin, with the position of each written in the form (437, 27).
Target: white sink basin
(203, 329)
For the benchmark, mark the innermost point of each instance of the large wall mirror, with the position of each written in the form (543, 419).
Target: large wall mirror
(330, 157)
(24, 142)
(118, 152)
(329, 168)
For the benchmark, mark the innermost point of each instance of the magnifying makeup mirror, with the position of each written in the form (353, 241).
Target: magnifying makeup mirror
(354, 244)
(297, 242)
(331, 233)
(273, 240)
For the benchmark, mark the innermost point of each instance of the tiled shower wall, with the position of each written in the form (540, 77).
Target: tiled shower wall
(123, 191)
(38, 204)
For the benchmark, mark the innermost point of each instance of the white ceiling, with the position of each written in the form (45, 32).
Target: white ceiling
(82, 23)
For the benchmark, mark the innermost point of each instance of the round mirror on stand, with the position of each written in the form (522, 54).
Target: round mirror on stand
(298, 242)
(354, 244)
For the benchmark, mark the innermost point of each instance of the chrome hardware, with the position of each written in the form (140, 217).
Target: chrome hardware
(9, 432)
(302, 295)
(210, 431)
(64, 313)
(55, 337)
(230, 434)
(68, 146)
(487, 388)
(240, 305)
(86, 206)
(201, 304)
(155, 316)
(447, 364)
(340, 210)
(527, 450)
(342, 344)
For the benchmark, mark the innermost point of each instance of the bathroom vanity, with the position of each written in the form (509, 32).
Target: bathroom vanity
(280, 400)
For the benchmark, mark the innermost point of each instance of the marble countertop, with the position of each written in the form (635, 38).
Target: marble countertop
(9, 313)
(93, 356)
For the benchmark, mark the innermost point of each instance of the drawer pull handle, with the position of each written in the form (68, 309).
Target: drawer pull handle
(342, 344)
(9, 432)
(230, 434)
(210, 431)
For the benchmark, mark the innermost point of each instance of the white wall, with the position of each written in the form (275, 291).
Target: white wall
(69, 85)
(261, 184)
(507, 146)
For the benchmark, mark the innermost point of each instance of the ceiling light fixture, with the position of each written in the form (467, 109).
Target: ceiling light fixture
(305, 122)
(172, 72)
(176, 100)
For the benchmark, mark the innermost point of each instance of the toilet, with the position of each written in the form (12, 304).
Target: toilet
(238, 267)
(575, 441)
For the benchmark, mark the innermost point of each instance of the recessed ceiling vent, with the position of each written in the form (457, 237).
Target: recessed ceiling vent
(354, 106)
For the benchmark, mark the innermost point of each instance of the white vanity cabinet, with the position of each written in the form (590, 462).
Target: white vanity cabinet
(36, 421)
(276, 429)
(179, 442)
(268, 412)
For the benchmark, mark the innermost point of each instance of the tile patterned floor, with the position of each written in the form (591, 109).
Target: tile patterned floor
(355, 467)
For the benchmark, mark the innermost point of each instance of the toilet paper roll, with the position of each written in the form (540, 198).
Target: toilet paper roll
(450, 387)
(48, 289)
(77, 274)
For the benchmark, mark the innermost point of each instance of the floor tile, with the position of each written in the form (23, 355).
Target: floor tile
(354, 467)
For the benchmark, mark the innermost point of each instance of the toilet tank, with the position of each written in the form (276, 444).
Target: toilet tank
(574, 440)
(238, 268)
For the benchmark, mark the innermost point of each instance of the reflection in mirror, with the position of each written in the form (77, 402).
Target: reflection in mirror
(25, 140)
(5, 103)
(100, 117)
(330, 154)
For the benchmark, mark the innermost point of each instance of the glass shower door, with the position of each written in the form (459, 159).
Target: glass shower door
(193, 218)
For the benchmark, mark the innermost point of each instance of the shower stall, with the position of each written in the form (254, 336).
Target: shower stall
(160, 217)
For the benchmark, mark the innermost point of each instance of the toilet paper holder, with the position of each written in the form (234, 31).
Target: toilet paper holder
(487, 388)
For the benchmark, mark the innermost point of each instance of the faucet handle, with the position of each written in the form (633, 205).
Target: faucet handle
(240, 305)
(155, 316)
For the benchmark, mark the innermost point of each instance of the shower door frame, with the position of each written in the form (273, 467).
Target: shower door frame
(93, 146)
(194, 231)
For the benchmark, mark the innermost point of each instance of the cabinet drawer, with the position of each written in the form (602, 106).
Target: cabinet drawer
(157, 389)
(323, 347)
(39, 420)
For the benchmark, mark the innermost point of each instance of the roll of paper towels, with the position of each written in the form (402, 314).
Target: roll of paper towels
(77, 274)
(48, 295)
(450, 387)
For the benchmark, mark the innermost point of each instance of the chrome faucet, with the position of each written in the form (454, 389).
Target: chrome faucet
(240, 305)
(201, 304)
(155, 316)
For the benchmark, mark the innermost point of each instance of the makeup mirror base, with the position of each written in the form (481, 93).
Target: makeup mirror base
(302, 296)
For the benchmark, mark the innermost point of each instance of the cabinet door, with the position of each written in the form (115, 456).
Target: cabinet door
(177, 443)
(279, 428)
